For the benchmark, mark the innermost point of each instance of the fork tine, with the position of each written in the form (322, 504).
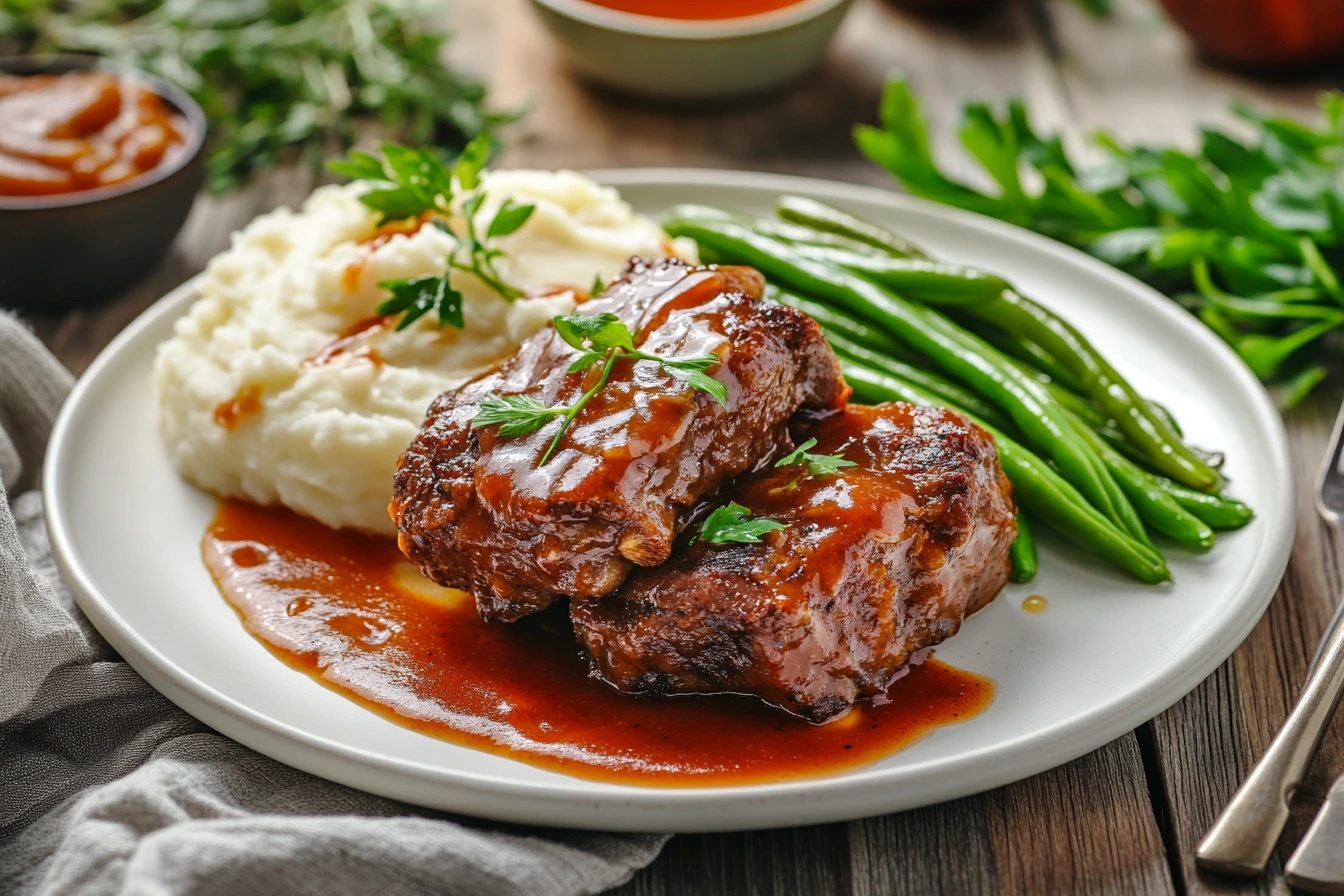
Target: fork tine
(1330, 482)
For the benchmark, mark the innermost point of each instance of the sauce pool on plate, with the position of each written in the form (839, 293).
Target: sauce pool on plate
(79, 131)
(350, 611)
(695, 9)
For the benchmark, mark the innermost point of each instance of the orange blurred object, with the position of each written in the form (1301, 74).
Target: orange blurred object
(695, 9)
(64, 133)
(1271, 33)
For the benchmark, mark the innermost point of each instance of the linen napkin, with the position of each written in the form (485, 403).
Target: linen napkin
(108, 788)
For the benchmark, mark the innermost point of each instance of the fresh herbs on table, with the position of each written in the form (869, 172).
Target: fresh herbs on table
(815, 464)
(275, 75)
(412, 183)
(1246, 234)
(598, 337)
(733, 522)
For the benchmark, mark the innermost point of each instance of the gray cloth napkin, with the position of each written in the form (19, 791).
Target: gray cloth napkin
(108, 788)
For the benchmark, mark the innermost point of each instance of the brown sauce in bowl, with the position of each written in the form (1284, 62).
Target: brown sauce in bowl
(350, 611)
(67, 133)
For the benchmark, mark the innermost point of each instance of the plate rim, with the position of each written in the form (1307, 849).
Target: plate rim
(814, 800)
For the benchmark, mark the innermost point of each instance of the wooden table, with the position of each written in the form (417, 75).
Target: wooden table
(1123, 819)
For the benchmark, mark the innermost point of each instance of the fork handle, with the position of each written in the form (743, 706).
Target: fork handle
(1243, 838)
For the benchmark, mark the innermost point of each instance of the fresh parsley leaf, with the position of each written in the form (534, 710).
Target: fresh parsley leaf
(584, 361)
(472, 162)
(358, 165)
(816, 464)
(516, 415)
(414, 298)
(700, 381)
(595, 332)
(733, 522)
(420, 173)
(394, 203)
(598, 287)
(509, 218)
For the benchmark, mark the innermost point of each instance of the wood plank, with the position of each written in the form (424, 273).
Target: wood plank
(1139, 78)
(760, 863)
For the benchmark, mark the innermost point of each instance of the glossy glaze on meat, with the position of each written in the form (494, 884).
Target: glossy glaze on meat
(878, 562)
(478, 511)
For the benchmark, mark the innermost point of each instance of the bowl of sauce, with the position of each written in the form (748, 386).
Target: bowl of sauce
(98, 170)
(692, 50)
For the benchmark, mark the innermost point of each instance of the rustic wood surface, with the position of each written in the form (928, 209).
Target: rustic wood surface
(1121, 820)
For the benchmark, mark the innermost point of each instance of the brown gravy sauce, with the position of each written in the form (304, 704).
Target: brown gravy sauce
(350, 611)
(245, 403)
(353, 342)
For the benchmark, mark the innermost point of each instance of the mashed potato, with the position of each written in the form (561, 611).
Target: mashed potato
(277, 385)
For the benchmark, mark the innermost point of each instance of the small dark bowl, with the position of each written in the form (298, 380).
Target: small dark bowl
(77, 248)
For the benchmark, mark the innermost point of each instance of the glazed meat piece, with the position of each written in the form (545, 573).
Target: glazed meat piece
(878, 561)
(479, 511)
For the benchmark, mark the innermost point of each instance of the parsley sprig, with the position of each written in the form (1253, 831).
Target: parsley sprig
(815, 464)
(412, 183)
(733, 522)
(598, 337)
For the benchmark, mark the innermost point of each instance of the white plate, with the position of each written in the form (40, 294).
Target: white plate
(1105, 656)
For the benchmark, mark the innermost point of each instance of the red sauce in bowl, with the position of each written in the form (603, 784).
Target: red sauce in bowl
(81, 130)
(350, 611)
(695, 9)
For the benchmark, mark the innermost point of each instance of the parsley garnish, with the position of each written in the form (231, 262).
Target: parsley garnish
(409, 183)
(412, 299)
(733, 522)
(598, 337)
(816, 464)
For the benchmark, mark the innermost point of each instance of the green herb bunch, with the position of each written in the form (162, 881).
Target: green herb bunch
(1248, 234)
(275, 75)
(413, 183)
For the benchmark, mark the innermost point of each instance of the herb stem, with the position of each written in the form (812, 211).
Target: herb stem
(573, 411)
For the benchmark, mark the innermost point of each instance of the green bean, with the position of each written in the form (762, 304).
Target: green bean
(820, 216)
(833, 321)
(1148, 430)
(793, 234)
(952, 394)
(959, 352)
(1154, 417)
(1036, 485)
(1218, 511)
(1023, 350)
(930, 282)
(1157, 508)
(1022, 554)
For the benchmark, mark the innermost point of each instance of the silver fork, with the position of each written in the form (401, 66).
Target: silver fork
(1244, 836)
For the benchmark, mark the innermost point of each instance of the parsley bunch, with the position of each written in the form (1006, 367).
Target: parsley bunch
(1246, 234)
(275, 75)
(414, 183)
(598, 337)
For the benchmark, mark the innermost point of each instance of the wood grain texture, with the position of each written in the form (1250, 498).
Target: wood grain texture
(1121, 820)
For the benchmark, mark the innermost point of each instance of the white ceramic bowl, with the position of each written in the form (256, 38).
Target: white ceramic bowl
(687, 60)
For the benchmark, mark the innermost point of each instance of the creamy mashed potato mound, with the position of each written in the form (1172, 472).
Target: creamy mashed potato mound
(274, 386)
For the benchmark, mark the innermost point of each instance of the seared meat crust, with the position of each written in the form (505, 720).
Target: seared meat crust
(879, 561)
(477, 511)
